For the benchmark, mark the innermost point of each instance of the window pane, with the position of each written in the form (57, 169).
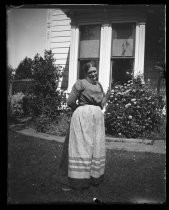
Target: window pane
(123, 38)
(89, 41)
(122, 70)
(81, 65)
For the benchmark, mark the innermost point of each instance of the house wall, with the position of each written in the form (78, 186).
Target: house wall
(58, 40)
(61, 35)
(105, 17)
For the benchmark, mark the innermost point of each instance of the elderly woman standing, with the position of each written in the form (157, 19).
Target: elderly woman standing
(86, 146)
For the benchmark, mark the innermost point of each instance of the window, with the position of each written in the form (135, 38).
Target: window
(89, 47)
(122, 52)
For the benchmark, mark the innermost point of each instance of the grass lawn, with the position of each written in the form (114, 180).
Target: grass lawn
(33, 175)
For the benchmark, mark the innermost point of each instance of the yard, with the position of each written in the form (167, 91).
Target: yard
(134, 177)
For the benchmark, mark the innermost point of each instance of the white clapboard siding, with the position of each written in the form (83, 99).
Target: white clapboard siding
(61, 56)
(60, 50)
(61, 33)
(60, 22)
(60, 39)
(57, 12)
(59, 17)
(60, 27)
(60, 62)
(59, 44)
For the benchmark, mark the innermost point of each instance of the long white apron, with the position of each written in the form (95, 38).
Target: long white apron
(86, 143)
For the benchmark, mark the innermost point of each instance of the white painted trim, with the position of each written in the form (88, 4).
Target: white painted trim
(105, 55)
(48, 31)
(73, 58)
(136, 51)
(139, 50)
(142, 49)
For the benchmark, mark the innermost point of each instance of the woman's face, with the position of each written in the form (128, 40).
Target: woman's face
(92, 73)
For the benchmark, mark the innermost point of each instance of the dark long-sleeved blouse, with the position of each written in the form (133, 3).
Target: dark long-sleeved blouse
(86, 93)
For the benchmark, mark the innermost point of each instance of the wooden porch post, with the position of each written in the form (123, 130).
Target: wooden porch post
(105, 54)
(139, 50)
(73, 60)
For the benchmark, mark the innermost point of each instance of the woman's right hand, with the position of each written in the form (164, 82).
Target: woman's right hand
(108, 93)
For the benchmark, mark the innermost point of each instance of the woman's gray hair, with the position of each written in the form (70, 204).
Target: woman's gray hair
(87, 66)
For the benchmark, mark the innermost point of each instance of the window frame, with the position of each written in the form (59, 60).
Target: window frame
(112, 58)
(91, 58)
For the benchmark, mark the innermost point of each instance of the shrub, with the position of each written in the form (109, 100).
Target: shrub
(60, 127)
(23, 85)
(48, 103)
(49, 106)
(57, 127)
(16, 104)
(47, 99)
(46, 75)
(41, 123)
(24, 69)
(134, 110)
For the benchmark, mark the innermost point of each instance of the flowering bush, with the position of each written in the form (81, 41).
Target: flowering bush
(133, 110)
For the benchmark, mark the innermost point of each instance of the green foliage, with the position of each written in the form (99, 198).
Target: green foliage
(58, 127)
(133, 110)
(161, 67)
(45, 74)
(24, 85)
(50, 106)
(61, 127)
(41, 123)
(48, 103)
(16, 105)
(24, 69)
(10, 77)
(10, 73)
(47, 99)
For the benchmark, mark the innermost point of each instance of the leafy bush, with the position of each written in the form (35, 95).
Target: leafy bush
(16, 104)
(23, 85)
(46, 75)
(57, 127)
(49, 106)
(24, 69)
(134, 110)
(48, 103)
(47, 99)
(41, 123)
(60, 127)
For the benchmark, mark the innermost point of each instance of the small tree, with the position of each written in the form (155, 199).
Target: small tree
(24, 69)
(46, 75)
